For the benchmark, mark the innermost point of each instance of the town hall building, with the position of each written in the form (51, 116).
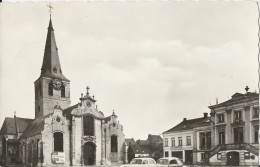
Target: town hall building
(61, 133)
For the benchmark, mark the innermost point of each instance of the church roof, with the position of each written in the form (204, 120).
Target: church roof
(67, 111)
(35, 127)
(51, 63)
(9, 125)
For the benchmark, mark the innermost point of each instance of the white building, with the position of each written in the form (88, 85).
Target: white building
(179, 140)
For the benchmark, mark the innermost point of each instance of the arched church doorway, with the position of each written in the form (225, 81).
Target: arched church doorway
(89, 153)
(233, 158)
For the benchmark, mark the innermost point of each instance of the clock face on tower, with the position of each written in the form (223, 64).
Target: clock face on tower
(56, 84)
(88, 104)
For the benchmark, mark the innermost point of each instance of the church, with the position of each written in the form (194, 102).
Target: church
(61, 133)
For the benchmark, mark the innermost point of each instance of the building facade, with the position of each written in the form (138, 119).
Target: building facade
(60, 133)
(181, 141)
(234, 130)
(229, 136)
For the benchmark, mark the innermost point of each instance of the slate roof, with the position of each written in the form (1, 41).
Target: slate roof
(138, 149)
(67, 111)
(35, 127)
(130, 141)
(51, 58)
(237, 98)
(9, 126)
(186, 124)
(155, 138)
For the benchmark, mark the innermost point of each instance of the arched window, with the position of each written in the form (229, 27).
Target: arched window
(58, 141)
(113, 143)
(88, 124)
(62, 90)
(50, 89)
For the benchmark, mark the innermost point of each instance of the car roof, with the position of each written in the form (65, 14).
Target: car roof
(170, 158)
(144, 158)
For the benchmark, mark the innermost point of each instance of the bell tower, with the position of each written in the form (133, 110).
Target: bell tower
(52, 87)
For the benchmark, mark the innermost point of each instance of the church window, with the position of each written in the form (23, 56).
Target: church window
(50, 89)
(113, 143)
(88, 124)
(62, 89)
(58, 141)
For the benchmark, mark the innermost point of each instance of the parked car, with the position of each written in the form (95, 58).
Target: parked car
(142, 162)
(169, 162)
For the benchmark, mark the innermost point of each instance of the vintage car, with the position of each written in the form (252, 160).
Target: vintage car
(169, 162)
(142, 162)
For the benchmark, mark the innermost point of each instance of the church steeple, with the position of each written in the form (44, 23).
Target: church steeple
(51, 63)
(52, 87)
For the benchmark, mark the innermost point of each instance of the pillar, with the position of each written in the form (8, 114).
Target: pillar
(73, 141)
(183, 156)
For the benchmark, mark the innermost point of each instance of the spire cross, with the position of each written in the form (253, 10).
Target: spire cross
(50, 8)
(88, 90)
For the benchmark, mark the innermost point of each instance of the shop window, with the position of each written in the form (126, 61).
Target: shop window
(88, 124)
(202, 156)
(58, 141)
(166, 154)
(114, 143)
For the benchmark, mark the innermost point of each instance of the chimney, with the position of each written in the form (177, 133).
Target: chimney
(184, 119)
(205, 115)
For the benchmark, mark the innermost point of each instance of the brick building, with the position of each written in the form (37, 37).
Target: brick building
(60, 133)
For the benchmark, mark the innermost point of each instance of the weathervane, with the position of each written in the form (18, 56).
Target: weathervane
(50, 8)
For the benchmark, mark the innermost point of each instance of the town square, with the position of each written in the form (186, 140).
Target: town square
(129, 84)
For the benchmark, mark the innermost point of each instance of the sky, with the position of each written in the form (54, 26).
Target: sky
(154, 63)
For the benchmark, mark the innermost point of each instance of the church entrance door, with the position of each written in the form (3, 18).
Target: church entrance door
(89, 153)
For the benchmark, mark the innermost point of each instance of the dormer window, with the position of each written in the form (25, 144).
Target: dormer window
(256, 112)
(221, 118)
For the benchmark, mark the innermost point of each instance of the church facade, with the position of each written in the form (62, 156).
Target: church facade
(61, 133)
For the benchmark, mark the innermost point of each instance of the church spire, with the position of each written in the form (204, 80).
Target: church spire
(51, 63)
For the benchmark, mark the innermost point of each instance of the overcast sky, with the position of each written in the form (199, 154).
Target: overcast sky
(154, 63)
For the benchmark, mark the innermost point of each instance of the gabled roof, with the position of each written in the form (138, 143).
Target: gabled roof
(186, 125)
(237, 98)
(9, 125)
(35, 127)
(130, 141)
(138, 149)
(51, 63)
(154, 138)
